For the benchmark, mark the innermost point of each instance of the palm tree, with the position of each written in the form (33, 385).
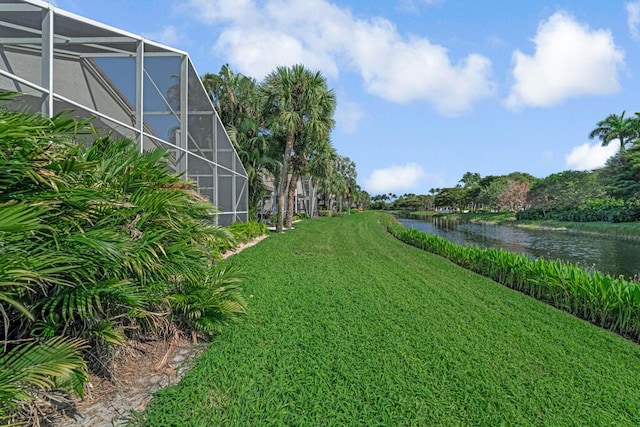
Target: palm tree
(299, 106)
(470, 179)
(361, 198)
(626, 130)
(233, 95)
(346, 169)
(340, 182)
(257, 156)
(321, 166)
(236, 101)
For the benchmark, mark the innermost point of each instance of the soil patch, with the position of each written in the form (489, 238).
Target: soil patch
(141, 369)
(242, 246)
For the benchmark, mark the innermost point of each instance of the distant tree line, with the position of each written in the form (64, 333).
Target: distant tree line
(472, 193)
(610, 193)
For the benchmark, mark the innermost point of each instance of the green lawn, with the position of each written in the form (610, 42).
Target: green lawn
(350, 327)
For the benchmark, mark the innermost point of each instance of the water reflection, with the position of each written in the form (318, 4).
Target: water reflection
(609, 255)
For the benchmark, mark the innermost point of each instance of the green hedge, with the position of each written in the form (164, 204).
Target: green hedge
(609, 210)
(242, 232)
(606, 301)
(245, 231)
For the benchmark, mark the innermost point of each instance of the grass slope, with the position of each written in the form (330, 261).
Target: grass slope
(351, 327)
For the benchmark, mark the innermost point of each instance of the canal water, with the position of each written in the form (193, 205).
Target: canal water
(608, 255)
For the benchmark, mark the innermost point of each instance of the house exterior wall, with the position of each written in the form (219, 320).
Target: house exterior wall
(306, 196)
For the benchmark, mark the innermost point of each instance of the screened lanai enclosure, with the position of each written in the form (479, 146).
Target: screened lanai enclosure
(133, 87)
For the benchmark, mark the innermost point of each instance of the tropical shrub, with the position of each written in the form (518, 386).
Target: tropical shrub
(612, 303)
(207, 306)
(621, 174)
(608, 210)
(99, 244)
(245, 231)
(241, 232)
(30, 370)
(565, 191)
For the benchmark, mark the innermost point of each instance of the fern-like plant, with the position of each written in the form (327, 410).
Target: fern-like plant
(30, 368)
(98, 244)
(208, 306)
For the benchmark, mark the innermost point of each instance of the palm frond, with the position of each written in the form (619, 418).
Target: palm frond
(208, 306)
(90, 300)
(43, 366)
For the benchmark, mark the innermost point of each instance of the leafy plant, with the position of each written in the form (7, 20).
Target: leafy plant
(206, 307)
(95, 242)
(35, 367)
(611, 303)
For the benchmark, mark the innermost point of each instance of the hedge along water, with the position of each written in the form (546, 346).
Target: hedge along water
(606, 301)
(615, 256)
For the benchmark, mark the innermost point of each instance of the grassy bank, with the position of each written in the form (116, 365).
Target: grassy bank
(624, 230)
(490, 217)
(349, 326)
(606, 301)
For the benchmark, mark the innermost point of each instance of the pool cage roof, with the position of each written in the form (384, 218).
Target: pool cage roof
(134, 88)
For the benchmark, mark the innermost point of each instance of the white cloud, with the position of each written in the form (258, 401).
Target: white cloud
(633, 19)
(588, 157)
(168, 35)
(221, 10)
(329, 38)
(570, 60)
(394, 178)
(412, 70)
(246, 50)
(348, 116)
(414, 5)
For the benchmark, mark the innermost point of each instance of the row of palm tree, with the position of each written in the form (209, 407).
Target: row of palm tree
(99, 245)
(341, 184)
(281, 127)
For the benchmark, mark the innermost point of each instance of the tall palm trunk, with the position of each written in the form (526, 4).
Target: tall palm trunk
(291, 196)
(282, 188)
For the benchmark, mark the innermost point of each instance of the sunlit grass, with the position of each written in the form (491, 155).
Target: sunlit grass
(604, 300)
(348, 326)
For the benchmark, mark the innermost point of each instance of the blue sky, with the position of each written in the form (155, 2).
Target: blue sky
(427, 89)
